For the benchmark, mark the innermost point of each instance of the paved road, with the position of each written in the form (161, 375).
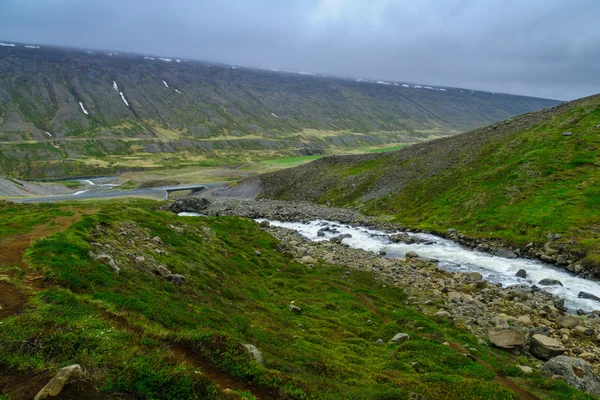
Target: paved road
(158, 193)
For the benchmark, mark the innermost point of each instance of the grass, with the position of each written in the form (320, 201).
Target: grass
(120, 327)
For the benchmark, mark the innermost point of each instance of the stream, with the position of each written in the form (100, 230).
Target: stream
(456, 258)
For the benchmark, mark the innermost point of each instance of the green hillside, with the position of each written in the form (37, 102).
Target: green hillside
(140, 336)
(179, 112)
(517, 180)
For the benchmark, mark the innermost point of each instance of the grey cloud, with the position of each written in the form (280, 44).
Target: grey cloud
(546, 48)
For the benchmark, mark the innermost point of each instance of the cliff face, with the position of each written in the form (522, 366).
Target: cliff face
(60, 105)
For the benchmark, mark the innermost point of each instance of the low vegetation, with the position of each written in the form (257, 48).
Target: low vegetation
(138, 334)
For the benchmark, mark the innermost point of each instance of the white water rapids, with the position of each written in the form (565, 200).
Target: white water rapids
(454, 257)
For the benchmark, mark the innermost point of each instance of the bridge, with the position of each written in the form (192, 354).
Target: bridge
(192, 188)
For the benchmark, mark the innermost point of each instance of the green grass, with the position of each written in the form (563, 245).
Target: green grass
(118, 327)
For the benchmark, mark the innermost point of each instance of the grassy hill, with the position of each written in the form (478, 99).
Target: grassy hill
(517, 180)
(139, 336)
(141, 112)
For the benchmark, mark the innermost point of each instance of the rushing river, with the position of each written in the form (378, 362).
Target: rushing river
(454, 257)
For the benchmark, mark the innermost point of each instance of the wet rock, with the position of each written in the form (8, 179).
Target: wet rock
(400, 338)
(264, 224)
(550, 282)
(411, 254)
(521, 274)
(567, 321)
(560, 304)
(545, 347)
(576, 372)
(505, 253)
(507, 339)
(255, 353)
(65, 376)
(338, 239)
(585, 295)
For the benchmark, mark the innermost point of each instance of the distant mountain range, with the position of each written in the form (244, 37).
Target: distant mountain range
(73, 111)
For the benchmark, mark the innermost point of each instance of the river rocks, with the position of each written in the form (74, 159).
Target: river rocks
(545, 347)
(567, 321)
(264, 224)
(584, 295)
(550, 282)
(411, 254)
(404, 237)
(576, 372)
(507, 339)
(255, 353)
(521, 274)
(400, 338)
(65, 376)
(338, 239)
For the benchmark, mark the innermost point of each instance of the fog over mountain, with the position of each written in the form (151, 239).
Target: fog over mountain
(545, 48)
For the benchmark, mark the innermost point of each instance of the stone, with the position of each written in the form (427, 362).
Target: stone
(255, 353)
(576, 372)
(114, 266)
(157, 239)
(583, 331)
(442, 314)
(455, 297)
(567, 321)
(302, 251)
(308, 260)
(545, 347)
(560, 304)
(295, 309)
(338, 239)
(587, 356)
(473, 276)
(400, 338)
(175, 279)
(379, 342)
(411, 254)
(162, 271)
(507, 339)
(521, 274)
(264, 224)
(526, 370)
(505, 253)
(257, 253)
(584, 295)
(567, 133)
(524, 320)
(64, 376)
(550, 282)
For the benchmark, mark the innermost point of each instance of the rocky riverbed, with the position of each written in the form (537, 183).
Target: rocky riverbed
(521, 320)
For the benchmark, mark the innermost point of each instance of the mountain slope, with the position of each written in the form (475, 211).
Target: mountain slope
(61, 109)
(518, 180)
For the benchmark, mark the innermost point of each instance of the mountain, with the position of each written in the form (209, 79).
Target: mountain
(520, 180)
(80, 112)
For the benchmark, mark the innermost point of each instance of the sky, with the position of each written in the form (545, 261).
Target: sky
(544, 48)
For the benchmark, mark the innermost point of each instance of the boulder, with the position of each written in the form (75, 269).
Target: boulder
(472, 276)
(576, 372)
(162, 271)
(550, 282)
(400, 338)
(411, 254)
(505, 253)
(442, 314)
(521, 274)
(507, 339)
(584, 295)
(264, 224)
(188, 204)
(338, 239)
(65, 376)
(545, 347)
(255, 353)
(175, 279)
(567, 321)
(308, 260)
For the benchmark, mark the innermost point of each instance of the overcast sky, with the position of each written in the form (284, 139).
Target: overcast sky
(546, 48)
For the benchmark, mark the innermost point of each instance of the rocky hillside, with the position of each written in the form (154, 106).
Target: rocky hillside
(70, 112)
(531, 180)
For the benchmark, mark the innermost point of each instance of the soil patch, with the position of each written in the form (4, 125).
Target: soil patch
(12, 300)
